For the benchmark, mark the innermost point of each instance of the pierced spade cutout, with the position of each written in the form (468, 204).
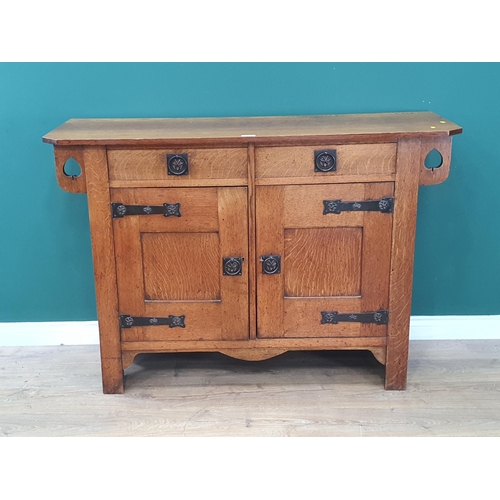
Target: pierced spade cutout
(434, 159)
(72, 168)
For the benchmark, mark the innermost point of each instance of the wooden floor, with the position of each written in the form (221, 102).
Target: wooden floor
(453, 390)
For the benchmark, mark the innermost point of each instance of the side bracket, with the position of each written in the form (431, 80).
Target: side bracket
(430, 176)
(70, 183)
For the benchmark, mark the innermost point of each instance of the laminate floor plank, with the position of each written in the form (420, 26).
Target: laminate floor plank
(453, 390)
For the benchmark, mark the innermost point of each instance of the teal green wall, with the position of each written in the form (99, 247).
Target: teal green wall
(45, 254)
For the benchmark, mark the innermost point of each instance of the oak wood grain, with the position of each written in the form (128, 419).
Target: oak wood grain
(151, 164)
(298, 161)
(181, 266)
(252, 354)
(233, 231)
(252, 250)
(270, 287)
(203, 321)
(430, 176)
(288, 344)
(401, 277)
(322, 262)
(128, 358)
(332, 262)
(380, 354)
(252, 191)
(303, 318)
(376, 260)
(70, 183)
(344, 179)
(198, 208)
(180, 182)
(128, 255)
(382, 127)
(303, 205)
(103, 252)
(165, 272)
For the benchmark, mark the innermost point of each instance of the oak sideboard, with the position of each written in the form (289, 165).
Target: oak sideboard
(253, 236)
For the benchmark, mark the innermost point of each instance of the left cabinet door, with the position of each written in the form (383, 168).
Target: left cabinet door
(182, 263)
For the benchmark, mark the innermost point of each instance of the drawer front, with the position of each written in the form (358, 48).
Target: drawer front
(348, 160)
(202, 164)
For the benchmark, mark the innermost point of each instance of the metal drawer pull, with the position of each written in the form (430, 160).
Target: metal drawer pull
(384, 205)
(325, 160)
(127, 321)
(271, 264)
(120, 210)
(178, 164)
(333, 317)
(232, 266)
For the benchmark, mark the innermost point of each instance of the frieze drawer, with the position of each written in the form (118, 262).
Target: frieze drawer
(179, 166)
(325, 161)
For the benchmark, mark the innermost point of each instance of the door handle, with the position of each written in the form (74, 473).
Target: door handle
(271, 264)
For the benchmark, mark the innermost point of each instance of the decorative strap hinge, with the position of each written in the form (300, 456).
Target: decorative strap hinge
(127, 321)
(120, 210)
(384, 205)
(333, 317)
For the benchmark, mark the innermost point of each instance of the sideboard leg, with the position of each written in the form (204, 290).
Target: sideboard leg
(403, 243)
(112, 376)
(103, 251)
(396, 375)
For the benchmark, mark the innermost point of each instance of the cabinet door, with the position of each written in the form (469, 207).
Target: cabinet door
(327, 272)
(182, 263)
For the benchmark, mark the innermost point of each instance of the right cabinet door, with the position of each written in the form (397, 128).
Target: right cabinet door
(324, 253)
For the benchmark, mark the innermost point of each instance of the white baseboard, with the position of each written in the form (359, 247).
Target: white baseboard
(454, 327)
(86, 332)
(49, 333)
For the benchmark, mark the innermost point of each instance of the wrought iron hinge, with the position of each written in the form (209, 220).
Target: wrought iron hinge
(384, 205)
(120, 210)
(333, 317)
(127, 321)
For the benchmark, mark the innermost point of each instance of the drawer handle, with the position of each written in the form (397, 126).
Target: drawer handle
(127, 321)
(384, 205)
(333, 317)
(325, 160)
(232, 266)
(178, 164)
(271, 264)
(120, 210)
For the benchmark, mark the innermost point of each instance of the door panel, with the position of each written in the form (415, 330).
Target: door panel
(306, 248)
(173, 265)
(181, 266)
(329, 262)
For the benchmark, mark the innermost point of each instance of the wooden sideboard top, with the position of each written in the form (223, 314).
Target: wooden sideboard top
(260, 129)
